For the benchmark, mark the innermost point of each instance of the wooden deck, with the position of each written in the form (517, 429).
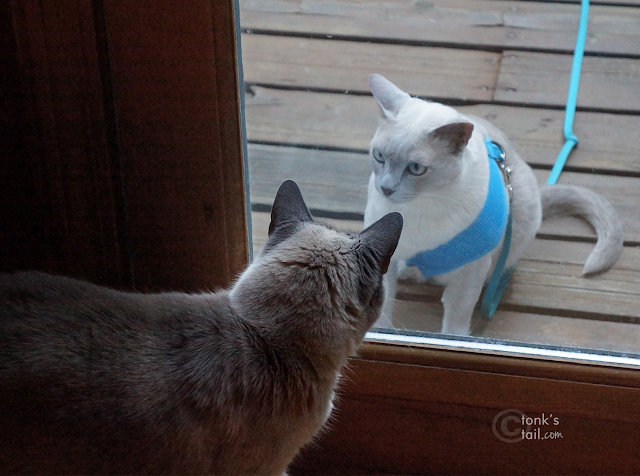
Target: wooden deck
(310, 117)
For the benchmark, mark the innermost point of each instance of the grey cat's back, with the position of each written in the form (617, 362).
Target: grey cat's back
(71, 352)
(102, 320)
(136, 383)
(97, 381)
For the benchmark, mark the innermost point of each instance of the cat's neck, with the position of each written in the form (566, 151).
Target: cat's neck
(286, 328)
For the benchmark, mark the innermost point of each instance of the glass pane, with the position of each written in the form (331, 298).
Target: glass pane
(311, 117)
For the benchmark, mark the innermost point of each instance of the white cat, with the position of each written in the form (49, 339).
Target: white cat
(431, 164)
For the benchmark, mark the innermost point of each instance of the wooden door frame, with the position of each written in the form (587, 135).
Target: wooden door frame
(129, 126)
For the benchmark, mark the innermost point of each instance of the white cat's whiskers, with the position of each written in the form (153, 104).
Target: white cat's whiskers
(362, 187)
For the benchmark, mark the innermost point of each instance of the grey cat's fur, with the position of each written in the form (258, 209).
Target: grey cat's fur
(447, 197)
(98, 381)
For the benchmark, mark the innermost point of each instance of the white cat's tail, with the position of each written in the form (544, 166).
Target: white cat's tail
(573, 200)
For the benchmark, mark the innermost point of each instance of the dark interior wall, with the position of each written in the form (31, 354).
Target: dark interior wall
(16, 188)
(121, 147)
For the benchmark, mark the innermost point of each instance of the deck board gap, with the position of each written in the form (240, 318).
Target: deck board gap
(580, 239)
(590, 170)
(592, 316)
(310, 146)
(567, 168)
(593, 4)
(447, 101)
(434, 44)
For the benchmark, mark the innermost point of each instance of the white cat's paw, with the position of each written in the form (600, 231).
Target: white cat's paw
(410, 273)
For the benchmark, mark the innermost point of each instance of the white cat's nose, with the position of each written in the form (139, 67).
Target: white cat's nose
(386, 191)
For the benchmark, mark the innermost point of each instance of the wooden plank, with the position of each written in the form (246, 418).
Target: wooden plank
(414, 419)
(500, 364)
(337, 182)
(334, 181)
(537, 78)
(178, 105)
(346, 121)
(605, 139)
(296, 117)
(346, 66)
(70, 217)
(525, 78)
(487, 24)
(547, 278)
(527, 327)
(629, 3)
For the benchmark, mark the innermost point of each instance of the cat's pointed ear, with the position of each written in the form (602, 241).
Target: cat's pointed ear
(390, 98)
(456, 136)
(288, 206)
(381, 238)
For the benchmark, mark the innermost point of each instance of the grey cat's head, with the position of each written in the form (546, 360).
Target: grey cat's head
(418, 145)
(314, 283)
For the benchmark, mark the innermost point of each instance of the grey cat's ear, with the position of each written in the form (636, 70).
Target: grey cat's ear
(390, 98)
(381, 238)
(455, 135)
(288, 207)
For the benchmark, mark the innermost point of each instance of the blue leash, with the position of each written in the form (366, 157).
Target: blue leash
(572, 99)
(500, 278)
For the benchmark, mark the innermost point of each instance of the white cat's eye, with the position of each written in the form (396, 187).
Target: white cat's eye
(378, 156)
(416, 169)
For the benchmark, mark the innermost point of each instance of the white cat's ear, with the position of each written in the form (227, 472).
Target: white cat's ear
(456, 136)
(288, 207)
(381, 239)
(390, 98)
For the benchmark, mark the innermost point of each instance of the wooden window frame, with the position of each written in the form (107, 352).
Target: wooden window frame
(126, 121)
(415, 410)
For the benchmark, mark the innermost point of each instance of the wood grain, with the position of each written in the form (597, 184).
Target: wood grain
(532, 328)
(346, 66)
(546, 286)
(490, 24)
(349, 122)
(432, 412)
(431, 420)
(524, 78)
(543, 79)
(71, 219)
(177, 93)
(548, 278)
(336, 182)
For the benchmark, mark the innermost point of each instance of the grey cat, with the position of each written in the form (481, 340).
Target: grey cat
(430, 162)
(94, 380)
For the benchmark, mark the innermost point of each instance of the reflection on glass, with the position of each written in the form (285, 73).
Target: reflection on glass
(311, 117)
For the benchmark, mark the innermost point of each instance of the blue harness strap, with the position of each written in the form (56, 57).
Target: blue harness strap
(499, 277)
(483, 235)
(494, 221)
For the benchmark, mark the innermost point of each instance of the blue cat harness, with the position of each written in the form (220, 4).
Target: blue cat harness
(483, 235)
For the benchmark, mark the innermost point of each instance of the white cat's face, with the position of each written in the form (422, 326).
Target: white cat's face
(418, 145)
